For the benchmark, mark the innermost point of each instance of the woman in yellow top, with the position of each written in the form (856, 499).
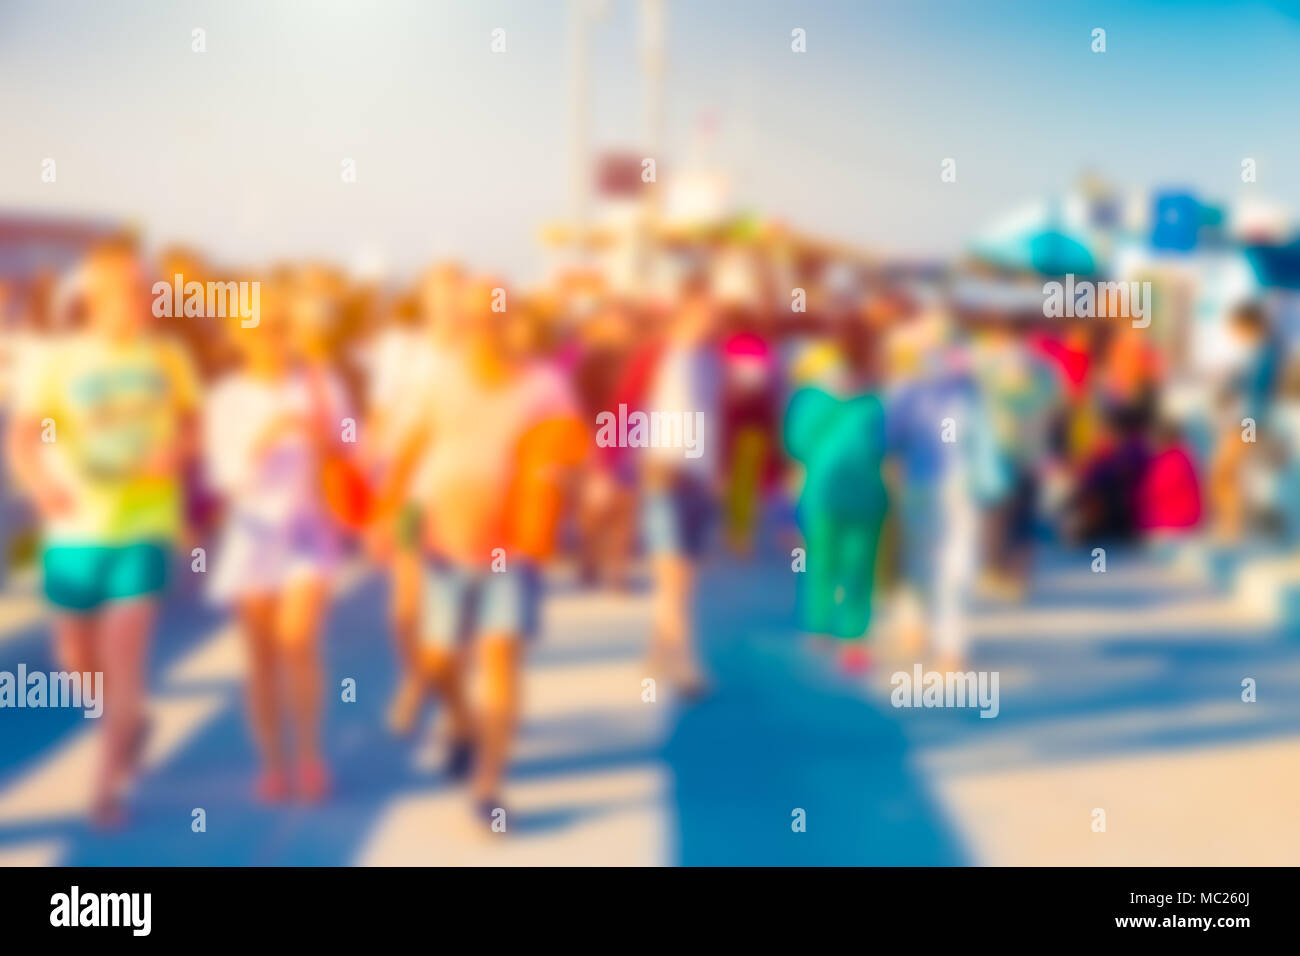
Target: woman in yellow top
(99, 437)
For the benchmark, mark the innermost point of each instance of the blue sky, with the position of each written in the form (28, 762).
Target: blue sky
(462, 151)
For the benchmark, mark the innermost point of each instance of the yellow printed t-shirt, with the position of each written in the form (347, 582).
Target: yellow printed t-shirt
(112, 409)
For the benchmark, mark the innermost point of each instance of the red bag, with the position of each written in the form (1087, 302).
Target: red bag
(346, 491)
(348, 496)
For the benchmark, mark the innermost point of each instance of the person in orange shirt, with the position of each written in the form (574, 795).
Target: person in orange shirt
(497, 435)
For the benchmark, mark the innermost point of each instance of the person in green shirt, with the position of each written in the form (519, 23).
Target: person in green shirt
(836, 430)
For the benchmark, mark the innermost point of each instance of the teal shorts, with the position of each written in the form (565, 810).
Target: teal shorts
(84, 577)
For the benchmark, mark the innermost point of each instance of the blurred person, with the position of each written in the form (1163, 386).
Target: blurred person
(749, 399)
(29, 323)
(358, 310)
(204, 342)
(1106, 503)
(607, 502)
(1129, 378)
(268, 426)
(16, 345)
(936, 429)
(835, 429)
(12, 327)
(501, 433)
(679, 489)
(1285, 422)
(99, 437)
(1246, 395)
(1072, 353)
(407, 357)
(1021, 397)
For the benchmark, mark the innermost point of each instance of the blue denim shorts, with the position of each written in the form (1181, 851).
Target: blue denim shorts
(460, 604)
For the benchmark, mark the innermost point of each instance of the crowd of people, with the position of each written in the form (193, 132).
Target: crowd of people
(444, 433)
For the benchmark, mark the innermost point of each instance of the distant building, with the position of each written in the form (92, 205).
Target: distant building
(32, 243)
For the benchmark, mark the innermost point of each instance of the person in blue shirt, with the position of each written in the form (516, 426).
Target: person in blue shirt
(937, 433)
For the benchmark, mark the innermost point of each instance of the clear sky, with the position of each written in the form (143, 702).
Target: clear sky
(462, 151)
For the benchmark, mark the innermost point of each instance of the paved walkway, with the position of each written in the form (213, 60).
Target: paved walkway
(1118, 691)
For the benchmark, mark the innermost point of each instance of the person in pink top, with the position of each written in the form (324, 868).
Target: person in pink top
(1169, 497)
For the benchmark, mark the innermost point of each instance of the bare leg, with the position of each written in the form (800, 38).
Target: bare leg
(76, 651)
(298, 618)
(1225, 488)
(74, 642)
(619, 537)
(500, 656)
(257, 622)
(123, 633)
(405, 709)
(674, 642)
(443, 671)
(591, 514)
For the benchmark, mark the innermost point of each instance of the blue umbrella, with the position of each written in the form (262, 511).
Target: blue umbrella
(1037, 241)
